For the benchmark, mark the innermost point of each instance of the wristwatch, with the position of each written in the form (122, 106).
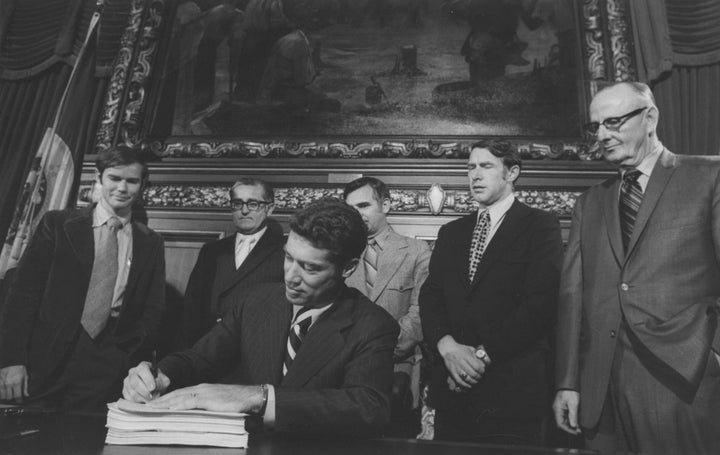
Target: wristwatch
(481, 354)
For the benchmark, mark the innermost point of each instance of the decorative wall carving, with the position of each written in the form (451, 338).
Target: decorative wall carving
(621, 45)
(204, 197)
(118, 81)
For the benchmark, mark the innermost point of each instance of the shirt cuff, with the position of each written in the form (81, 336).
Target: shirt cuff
(269, 417)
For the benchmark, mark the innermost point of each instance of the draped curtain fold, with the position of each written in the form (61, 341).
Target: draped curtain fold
(677, 48)
(39, 42)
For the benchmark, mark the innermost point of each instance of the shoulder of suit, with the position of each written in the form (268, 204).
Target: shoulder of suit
(364, 309)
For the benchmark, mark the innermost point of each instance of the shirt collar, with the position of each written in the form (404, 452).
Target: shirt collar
(253, 237)
(313, 312)
(381, 237)
(101, 214)
(499, 208)
(646, 166)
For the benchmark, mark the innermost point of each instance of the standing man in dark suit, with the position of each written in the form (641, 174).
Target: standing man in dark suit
(226, 268)
(637, 341)
(310, 356)
(87, 297)
(487, 307)
(390, 274)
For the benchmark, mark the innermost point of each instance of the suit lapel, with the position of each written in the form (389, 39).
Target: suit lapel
(80, 236)
(140, 256)
(663, 170)
(506, 232)
(389, 261)
(323, 342)
(612, 219)
(274, 319)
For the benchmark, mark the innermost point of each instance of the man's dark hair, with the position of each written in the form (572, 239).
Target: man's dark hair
(332, 225)
(120, 155)
(378, 186)
(500, 149)
(268, 191)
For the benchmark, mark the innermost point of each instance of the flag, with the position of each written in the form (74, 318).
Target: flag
(52, 174)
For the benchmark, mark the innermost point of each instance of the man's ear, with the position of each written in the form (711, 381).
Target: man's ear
(513, 173)
(350, 267)
(386, 205)
(653, 116)
(270, 208)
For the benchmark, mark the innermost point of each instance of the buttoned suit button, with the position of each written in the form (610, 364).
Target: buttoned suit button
(624, 287)
(613, 334)
(218, 320)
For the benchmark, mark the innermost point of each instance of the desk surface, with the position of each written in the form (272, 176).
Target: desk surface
(80, 434)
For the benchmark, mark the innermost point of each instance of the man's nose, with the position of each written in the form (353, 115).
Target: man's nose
(291, 275)
(244, 209)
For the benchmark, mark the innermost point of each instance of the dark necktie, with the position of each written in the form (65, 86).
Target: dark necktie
(478, 244)
(630, 199)
(101, 289)
(370, 262)
(298, 330)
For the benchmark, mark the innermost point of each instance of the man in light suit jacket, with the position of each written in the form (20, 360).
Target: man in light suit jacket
(487, 308)
(391, 273)
(319, 352)
(50, 353)
(637, 340)
(226, 268)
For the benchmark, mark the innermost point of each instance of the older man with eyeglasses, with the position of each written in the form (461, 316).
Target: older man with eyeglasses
(637, 340)
(226, 267)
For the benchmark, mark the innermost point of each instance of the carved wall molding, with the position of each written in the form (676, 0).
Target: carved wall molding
(406, 201)
(409, 148)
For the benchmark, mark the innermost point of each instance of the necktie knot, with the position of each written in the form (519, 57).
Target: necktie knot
(631, 176)
(114, 224)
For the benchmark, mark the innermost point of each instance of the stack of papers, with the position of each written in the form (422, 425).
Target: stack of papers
(131, 423)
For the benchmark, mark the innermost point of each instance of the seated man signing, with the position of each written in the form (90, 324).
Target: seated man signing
(312, 356)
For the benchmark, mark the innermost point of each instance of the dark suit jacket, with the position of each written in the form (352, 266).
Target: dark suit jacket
(666, 286)
(42, 315)
(340, 380)
(215, 284)
(509, 308)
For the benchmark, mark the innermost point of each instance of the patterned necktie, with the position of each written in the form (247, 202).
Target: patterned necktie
(370, 259)
(298, 330)
(478, 244)
(101, 289)
(630, 199)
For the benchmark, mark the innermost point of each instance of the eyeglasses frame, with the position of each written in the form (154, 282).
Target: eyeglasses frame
(616, 123)
(240, 204)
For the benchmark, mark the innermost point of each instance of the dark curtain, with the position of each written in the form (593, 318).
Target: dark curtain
(39, 40)
(677, 45)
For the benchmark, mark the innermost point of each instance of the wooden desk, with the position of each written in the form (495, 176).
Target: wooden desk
(81, 434)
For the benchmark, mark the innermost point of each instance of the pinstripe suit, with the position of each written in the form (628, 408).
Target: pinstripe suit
(340, 380)
(215, 284)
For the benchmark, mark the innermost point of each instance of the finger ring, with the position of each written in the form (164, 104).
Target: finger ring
(463, 376)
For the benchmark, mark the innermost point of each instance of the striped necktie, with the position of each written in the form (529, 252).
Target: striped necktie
(298, 330)
(478, 244)
(101, 289)
(630, 199)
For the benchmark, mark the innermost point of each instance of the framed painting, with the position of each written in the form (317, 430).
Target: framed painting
(369, 78)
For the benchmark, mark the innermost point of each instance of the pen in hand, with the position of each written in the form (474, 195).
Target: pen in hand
(154, 372)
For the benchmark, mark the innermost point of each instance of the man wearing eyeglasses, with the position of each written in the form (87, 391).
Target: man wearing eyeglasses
(637, 341)
(225, 268)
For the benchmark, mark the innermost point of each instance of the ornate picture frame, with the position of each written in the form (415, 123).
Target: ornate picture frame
(604, 34)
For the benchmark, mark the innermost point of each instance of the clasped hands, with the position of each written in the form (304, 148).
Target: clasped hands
(465, 368)
(141, 387)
